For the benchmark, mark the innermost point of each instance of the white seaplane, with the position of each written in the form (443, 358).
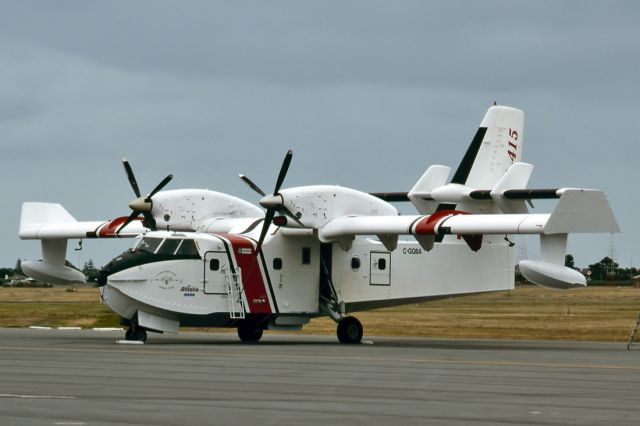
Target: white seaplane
(203, 258)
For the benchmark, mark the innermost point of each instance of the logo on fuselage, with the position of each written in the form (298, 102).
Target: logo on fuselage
(167, 280)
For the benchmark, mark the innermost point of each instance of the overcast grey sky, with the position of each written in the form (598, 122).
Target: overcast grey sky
(366, 93)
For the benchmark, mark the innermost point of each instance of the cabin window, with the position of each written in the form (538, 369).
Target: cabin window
(306, 255)
(169, 246)
(187, 248)
(277, 263)
(355, 263)
(214, 264)
(149, 244)
(382, 264)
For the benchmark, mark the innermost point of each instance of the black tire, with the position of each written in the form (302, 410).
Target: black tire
(141, 335)
(349, 330)
(248, 332)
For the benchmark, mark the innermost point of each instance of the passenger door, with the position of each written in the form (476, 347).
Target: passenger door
(216, 272)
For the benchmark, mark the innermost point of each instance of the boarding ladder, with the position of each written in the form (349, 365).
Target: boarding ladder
(234, 293)
(632, 337)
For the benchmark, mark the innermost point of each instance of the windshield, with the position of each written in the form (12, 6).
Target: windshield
(135, 243)
(149, 250)
(169, 246)
(188, 248)
(148, 244)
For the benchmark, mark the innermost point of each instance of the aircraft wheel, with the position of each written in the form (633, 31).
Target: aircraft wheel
(248, 332)
(349, 330)
(139, 334)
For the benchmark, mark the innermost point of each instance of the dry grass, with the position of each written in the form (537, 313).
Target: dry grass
(596, 313)
(57, 307)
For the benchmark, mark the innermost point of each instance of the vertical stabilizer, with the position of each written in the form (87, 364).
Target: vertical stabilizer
(495, 147)
(420, 194)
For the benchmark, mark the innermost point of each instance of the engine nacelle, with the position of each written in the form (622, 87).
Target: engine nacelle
(52, 274)
(551, 275)
(186, 209)
(316, 205)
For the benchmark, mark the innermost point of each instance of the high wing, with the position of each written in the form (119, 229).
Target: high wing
(50, 220)
(577, 211)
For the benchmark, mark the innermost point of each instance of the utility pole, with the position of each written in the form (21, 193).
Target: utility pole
(611, 269)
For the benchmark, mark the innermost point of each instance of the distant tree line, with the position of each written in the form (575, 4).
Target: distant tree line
(604, 270)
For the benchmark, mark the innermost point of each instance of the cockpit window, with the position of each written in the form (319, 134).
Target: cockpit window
(135, 243)
(169, 246)
(188, 248)
(149, 244)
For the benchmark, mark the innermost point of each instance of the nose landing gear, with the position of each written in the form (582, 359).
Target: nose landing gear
(349, 330)
(135, 332)
(139, 334)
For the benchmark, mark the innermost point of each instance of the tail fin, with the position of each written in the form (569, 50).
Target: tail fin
(495, 147)
(420, 194)
(516, 177)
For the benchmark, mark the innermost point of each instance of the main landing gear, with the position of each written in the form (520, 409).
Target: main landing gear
(349, 330)
(249, 332)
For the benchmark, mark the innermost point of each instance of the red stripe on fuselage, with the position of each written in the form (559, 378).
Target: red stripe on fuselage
(255, 289)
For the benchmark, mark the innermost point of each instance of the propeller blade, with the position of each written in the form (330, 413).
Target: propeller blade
(131, 177)
(132, 216)
(283, 171)
(161, 185)
(268, 218)
(252, 185)
(150, 221)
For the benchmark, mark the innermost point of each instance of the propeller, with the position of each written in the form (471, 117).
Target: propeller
(274, 203)
(141, 205)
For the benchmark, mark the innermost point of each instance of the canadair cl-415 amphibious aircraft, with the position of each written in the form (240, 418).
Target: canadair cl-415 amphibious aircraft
(203, 258)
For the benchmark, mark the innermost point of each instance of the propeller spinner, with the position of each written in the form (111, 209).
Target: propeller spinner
(274, 203)
(141, 205)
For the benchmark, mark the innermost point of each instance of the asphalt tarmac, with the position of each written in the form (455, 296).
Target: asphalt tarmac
(81, 377)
